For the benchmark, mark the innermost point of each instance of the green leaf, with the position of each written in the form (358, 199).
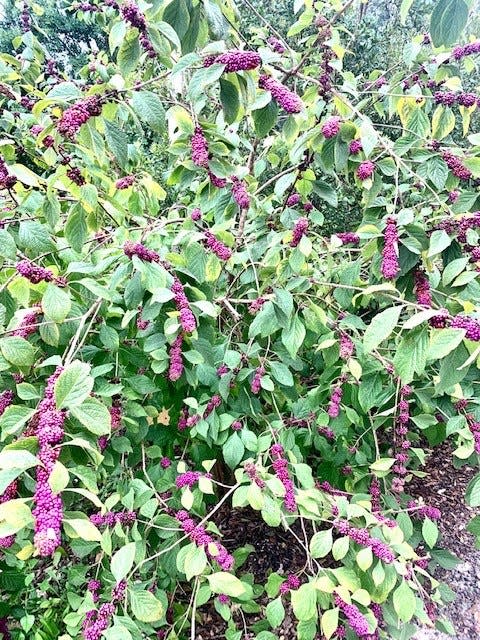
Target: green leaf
(233, 450)
(265, 119)
(76, 228)
(14, 515)
(304, 602)
(56, 303)
(122, 561)
(294, 336)
(447, 22)
(230, 100)
(473, 492)
(429, 532)
(117, 632)
(216, 20)
(443, 122)
(195, 561)
(275, 612)
(84, 529)
(13, 419)
(129, 52)
(404, 602)
(203, 78)
(439, 240)
(93, 415)
(404, 9)
(17, 351)
(73, 385)
(418, 123)
(321, 544)
(381, 327)
(223, 582)
(177, 15)
(329, 622)
(411, 354)
(149, 109)
(117, 142)
(282, 374)
(436, 171)
(442, 341)
(8, 248)
(453, 269)
(58, 478)
(365, 558)
(145, 606)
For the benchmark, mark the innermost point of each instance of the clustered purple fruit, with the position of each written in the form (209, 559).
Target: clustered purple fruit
(48, 511)
(286, 99)
(252, 473)
(28, 325)
(94, 587)
(256, 384)
(474, 427)
(188, 479)
(25, 21)
(187, 319)
(422, 511)
(131, 249)
(239, 193)
(331, 127)
(132, 14)
(456, 166)
(348, 237)
(365, 170)
(78, 114)
(354, 616)
(466, 50)
(175, 368)
(199, 147)
(299, 230)
(335, 399)
(196, 214)
(448, 99)
(280, 466)
(235, 60)
(125, 182)
(33, 272)
(291, 584)
(461, 226)
(402, 443)
(6, 180)
(276, 45)
(255, 306)
(327, 55)
(219, 249)
(355, 147)
(453, 196)
(96, 622)
(75, 176)
(390, 266)
(347, 348)
(293, 199)
(10, 492)
(471, 326)
(111, 518)
(364, 539)
(197, 534)
(214, 402)
(422, 288)
(6, 399)
(217, 182)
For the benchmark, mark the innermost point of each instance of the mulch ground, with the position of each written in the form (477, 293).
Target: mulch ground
(280, 551)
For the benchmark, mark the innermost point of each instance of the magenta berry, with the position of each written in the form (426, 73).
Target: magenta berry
(285, 98)
(390, 266)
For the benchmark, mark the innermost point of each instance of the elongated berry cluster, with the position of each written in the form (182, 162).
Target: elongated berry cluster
(78, 114)
(280, 465)
(199, 147)
(111, 518)
(240, 193)
(10, 493)
(355, 618)
(402, 443)
(471, 326)
(132, 14)
(327, 55)
(235, 60)
(187, 319)
(75, 176)
(293, 199)
(6, 399)
(131, 249)
(183, 419)
(115, 423)
(299, 230)
(196, 214)
(33, 272)
(214, 402)
(364, 539)
(466, 50)
(188, 479)
(48, 511)
(257, 380)
(355, 147)
(286, 99)
(474, 427)
(390, 267)
(175, 369)
(219, 249)
(125, 182)
(331, 127)
(422, 288)
(197, 534)
(252, 473)
(347, 348)
(365, 170)
(348, 237)
(6, 180)
(255, 306)
(276, 45)
(94, 587)
(423, 511)
(335, 400)
(96, 622)
(448, 99)
(456, 166)
(461, 226)
(4, 629)
(217, 182)
(291, 584)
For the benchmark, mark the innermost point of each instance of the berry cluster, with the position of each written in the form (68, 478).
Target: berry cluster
(422, 288)
(33, 272)
(331, 127)
(293, 199)
(94, 587)
(348, 237)
(362, 537)
(214, 402)
(196, 214)
(219, 249)
(125, 182)
(6, 180)
(6, 399)
(111, 518)
(28, 325)
(471, 326)
(448, 99)
(75, 176)
(280, 465)
(255, 306)
(48, 511)
(188, 479)
(423, 511)
(355, 147)
(175, 368)
(286, 99)
(96, 622)
(466, 50)
(276, 45)
(187, 319)
(256, 384)
(347, 348)
(235, 60)
(4, 629)
(327, 70)
(335, 399)
(132, 14)
(456, 166)
(239, 193)
(199, 147)
(10, 492)
(291, 584)
(365, 170)
(252, 473)
(217, 182)
(78, 114)
(299, 230)
(131, 249)
(25, 21)
(402, 443)
(390, 267)
(198, 535)
(355, 618)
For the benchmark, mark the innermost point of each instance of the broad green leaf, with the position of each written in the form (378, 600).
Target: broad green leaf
(329, 622)
(439, 240)
(233, 450)
(321, 543)
(447, 22)
(122, 561)
(265, 119)
(17, 351)
(149, 109)
(304, 601)
(429, 532)
(443, 341)
(473, 492)
(84, 529)
(73, 385)
(117, 142)
(223, 582)
(404, 602)
(145, 606)
(275, 612)
(13, 419)
(76, 228)
(293, 336)
(381, 327)
(56, 303)
(94, 415)
(129, 52)
(404, 9)
(230, 100)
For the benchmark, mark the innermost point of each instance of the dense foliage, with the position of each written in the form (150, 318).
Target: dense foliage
(180, 344)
